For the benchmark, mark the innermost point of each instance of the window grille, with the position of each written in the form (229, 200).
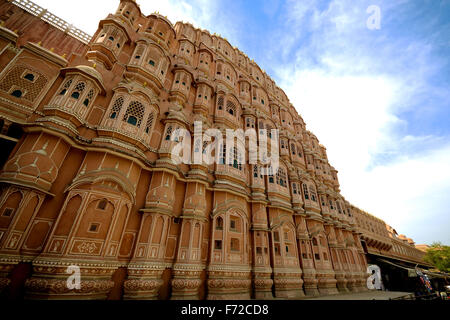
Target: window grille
(134, 113)
(66, 86)
(89, 98)
(79, 88)
(149, 125)
(14, 78)
(117, 106)
(220, 102)
(305, 190)
(168, 133)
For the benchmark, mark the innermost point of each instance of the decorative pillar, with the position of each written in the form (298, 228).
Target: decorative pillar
(261, 273)
(188, 266)
(148, 263)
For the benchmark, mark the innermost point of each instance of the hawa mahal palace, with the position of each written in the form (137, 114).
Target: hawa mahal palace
(87, 178)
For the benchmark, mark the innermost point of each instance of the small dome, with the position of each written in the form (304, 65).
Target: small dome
(92, 72)
(89, 71)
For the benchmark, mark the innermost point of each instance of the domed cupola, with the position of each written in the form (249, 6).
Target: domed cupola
(76, 94)
(131, 116)
(149, 63)
(129, 12)
(109, 41)
(160, 30)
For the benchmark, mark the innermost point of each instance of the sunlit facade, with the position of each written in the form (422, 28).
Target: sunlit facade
(88, 179)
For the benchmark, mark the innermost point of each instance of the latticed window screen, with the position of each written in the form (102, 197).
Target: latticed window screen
(139, 52)
(115, 33)
(150, 120)
(338, 205)
(153, 57)
(65, 87)
(305, 190)
(220, 102)
(30, 90)
(313, 193)
(134, 113)
(223, 152)
(281, 177)
(89, 98)
(231, 108)
(236, 157)
(163, 66)
(168, 133)
(177, 78)
(79, 88)
(117, 106)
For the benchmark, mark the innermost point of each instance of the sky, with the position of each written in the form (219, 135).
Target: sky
(377, 98)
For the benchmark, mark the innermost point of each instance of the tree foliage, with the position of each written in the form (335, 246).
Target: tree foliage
(439, 256)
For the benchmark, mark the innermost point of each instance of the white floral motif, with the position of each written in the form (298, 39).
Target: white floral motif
(87, 247)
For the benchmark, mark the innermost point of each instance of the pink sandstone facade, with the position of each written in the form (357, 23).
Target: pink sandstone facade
(89, 181)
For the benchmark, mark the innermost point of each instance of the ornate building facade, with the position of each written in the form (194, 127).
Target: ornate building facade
(87, 177)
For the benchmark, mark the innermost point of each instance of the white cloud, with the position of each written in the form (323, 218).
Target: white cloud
(351, 97)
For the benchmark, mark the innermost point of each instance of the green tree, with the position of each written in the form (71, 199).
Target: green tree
(439, 256)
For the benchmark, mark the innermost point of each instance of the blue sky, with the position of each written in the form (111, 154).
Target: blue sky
(379, 100)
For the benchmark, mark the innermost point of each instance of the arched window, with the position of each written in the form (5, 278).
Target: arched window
(168, 133)
(322, 198)
(66, 86)
(29, 77)
(102, 204)
(17, 93)
(338, 205)
(79, 88)
(132, 120)
(139, 51)
(219, 223)
(153, 56)
(89, 97)
(117, 106)
(305, 191)
(293, 148)
(149, 124)
(255, 171)
(314, 242)
(134, 113)
(294, 188)
(220, 102)
(236, 157)
(313, 193)
(281, 177)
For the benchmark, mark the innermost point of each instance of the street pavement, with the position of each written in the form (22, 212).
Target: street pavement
(366, 295)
